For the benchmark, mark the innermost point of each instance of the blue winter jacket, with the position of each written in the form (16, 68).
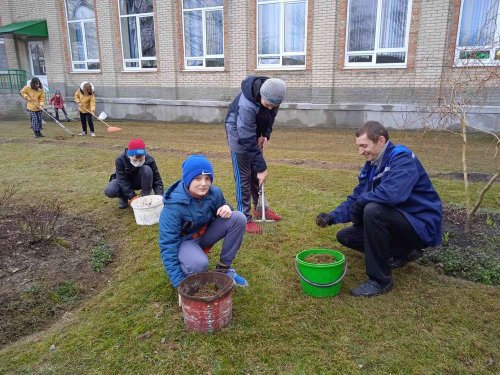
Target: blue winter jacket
(400, 182)
(247, 120)
(183, 216)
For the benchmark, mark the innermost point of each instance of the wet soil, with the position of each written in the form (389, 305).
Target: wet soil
(320, 258)
(207, 290)
(40, 281)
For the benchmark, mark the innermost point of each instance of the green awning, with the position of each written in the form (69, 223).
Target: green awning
(29, 28)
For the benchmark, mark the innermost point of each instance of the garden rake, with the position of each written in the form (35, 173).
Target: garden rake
(101, 118)
(53, 118)
(262, 204)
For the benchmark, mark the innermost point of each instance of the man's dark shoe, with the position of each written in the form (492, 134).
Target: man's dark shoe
(371, 288)
(122, 203)
(398, 262)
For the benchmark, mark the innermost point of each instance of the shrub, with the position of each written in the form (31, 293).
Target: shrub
(39, 220)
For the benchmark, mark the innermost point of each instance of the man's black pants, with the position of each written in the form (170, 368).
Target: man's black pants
(384, 233)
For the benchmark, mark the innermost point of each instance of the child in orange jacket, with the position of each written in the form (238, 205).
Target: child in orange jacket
(35, 99)
(85, 99)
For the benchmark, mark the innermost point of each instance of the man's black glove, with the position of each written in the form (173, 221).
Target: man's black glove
(356, 211)
(324, 220)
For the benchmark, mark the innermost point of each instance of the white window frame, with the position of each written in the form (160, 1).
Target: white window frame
(493, 49)
(139, 42)
(282, 54)
(204, 10)
(373, 64)
(87, 60)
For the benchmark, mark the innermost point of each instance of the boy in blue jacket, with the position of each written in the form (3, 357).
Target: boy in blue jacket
(195, 216)
(395, 210)
(249, 123)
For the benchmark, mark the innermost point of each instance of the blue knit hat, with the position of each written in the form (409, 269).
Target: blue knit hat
(195, 165)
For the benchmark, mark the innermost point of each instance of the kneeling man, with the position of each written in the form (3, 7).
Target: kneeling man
(394, 209)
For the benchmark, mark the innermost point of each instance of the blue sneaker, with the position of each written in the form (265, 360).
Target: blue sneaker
(238, 280)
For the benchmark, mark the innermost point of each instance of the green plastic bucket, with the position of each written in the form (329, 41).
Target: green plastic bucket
(321, 279)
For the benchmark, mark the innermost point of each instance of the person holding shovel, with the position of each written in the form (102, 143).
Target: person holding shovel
(135, 169)
(57, 102)
(249, 123)
(394, 209)
(85, 99)
(35, 99)
(195, 216)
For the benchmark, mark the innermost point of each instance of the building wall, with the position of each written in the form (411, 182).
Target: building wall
(324, 81)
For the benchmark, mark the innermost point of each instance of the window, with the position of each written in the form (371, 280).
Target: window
(3, 56)
(203, 24)
(478, 40)
(377, 33)
(138, 34)
(82, 35)
(281, 33)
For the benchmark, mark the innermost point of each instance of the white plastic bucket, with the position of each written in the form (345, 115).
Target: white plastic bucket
(103, 116)
(147, 209)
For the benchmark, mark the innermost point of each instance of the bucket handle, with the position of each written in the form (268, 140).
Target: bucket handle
(320, 285)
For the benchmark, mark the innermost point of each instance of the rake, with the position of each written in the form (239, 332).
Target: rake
(101, 118)
(262, 203)
(53, 118)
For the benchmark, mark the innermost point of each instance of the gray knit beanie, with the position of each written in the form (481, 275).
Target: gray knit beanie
(273, 90)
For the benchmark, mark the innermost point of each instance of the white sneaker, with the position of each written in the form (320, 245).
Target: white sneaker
(82, 133)
(92, 134)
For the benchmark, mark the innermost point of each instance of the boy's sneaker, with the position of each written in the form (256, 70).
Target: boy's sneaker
(238, 280)
(270, 215)
(254, 228)
(92, 134)
(82, 133)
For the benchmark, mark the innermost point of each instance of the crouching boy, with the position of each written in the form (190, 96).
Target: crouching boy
(135, 169)
(195, 216)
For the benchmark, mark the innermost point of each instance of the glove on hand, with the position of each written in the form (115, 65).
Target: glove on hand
(356, 212)
(132, 199)
(323, 220)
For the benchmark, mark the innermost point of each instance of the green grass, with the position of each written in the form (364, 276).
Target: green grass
(429, 324)
(101, 256)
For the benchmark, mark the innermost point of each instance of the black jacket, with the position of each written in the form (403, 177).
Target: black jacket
(247, 120)
(126, 173)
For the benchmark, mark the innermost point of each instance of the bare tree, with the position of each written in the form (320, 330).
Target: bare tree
(468, 77)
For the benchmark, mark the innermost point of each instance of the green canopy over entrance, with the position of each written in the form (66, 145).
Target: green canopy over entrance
(29, 28)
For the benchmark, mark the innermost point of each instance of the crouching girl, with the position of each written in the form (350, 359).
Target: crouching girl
(195, 216)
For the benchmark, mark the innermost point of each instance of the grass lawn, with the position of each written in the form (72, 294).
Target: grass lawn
(429, 323)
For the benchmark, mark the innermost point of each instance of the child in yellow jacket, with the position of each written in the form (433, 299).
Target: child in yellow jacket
(85, 99)
(35, 99)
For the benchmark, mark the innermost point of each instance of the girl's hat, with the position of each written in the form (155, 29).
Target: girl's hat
(136, 147)
(194, 166)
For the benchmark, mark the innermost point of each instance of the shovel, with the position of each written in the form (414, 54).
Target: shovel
(262, 203)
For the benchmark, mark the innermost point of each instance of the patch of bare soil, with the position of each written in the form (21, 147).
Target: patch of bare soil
(471, 176)
(473, 256)
(39, 281)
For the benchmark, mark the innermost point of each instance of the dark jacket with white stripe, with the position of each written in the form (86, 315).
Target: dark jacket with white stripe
(247, 120)
(400, 182)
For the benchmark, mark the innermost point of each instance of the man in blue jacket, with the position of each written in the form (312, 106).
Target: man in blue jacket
(195, 216)
(249, 123)
(395, 210)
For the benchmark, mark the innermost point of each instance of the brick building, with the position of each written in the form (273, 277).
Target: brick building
(344, 61)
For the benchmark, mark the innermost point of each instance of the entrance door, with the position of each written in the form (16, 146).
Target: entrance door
(37, 60)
